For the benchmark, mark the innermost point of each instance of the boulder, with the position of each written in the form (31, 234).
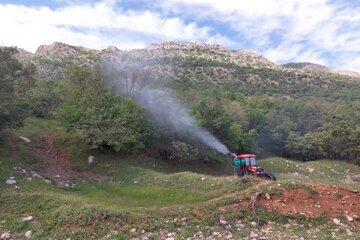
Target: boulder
(240, 225)
(336, 221)
(26, 219)
(5, 235)
(349, 218)
(28, 234)
(25, 139)
(223, 222)
(10, 181)
(91, 159)
(267, 196)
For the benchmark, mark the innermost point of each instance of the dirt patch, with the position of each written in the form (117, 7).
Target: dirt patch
(331, 199)
(236, 194)
(54, 161)
(334, 200)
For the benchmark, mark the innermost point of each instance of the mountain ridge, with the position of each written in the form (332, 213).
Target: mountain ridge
(79, 55)
(184, 65)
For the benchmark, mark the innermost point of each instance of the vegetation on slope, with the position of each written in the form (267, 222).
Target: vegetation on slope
(137, 198)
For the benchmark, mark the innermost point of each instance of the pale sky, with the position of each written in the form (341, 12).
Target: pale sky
(320, 31)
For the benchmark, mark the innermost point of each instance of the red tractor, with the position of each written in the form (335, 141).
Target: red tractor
(245, 164)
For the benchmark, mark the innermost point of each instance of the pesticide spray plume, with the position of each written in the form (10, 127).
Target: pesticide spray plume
(134, 79)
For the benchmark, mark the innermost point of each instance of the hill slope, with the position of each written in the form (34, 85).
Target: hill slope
(192, 65)
(153, 199)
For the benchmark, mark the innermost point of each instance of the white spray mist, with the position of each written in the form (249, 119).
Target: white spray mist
(159, 103)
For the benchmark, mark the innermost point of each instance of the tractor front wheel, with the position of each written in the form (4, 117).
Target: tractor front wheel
(268, 176)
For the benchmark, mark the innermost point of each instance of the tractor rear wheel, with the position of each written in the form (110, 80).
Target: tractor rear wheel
(240, 172)
(268, 176)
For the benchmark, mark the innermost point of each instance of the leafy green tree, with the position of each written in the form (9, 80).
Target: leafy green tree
(12, 110)
(106, 121)
(213, 117)
(240, 141)
(181, 152)
(308, 147)
(43, 98)
(26, 79)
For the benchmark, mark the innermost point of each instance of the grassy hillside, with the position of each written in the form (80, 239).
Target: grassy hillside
(136, 196)
(190, 65)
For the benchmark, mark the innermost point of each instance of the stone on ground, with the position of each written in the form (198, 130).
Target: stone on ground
(336, 221)
(29, 218)
(28, 234)
(5, 235)
(11, 181)
(25, 139)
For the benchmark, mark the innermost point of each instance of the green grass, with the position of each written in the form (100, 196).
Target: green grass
(138, 196)
(146, 193)
(323, 171)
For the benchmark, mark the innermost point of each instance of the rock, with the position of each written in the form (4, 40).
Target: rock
(35, 175)
(170, 238)
(171, 234)
(223, 222)
(10, 181)
(240, 225)
(228, 227)
(57, 176)
(25, 139)
(336, 221)
(47, 181)
(311, 170)
(135, 182)
(28, 234)
(349, 218)
(17, 187)
(267, 196)
(348, 232)
(91, 159)
(133, 230)
(12, 178)
(216, 234)
(203, 178)
(29, 218)
(253, 224)
(5, 235)
(253, 235)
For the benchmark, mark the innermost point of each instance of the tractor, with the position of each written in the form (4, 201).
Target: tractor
(245, 164)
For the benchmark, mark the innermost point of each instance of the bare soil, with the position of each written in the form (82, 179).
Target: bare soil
(55, 162)
(334, 200)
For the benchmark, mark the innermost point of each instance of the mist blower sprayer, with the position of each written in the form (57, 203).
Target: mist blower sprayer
(245, 164)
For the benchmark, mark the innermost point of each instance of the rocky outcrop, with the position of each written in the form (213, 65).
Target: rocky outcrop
(52, 60)
(307, 66)
(173, 61)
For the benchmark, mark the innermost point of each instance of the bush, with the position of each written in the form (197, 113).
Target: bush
(43, 98)
(106, 121)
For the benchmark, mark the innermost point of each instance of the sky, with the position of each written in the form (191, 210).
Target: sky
(326, 32)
